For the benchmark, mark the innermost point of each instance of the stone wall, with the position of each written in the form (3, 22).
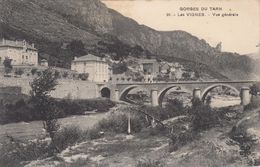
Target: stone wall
(73, 89)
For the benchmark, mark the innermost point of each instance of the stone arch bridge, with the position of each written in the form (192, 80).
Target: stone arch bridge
(199, 89)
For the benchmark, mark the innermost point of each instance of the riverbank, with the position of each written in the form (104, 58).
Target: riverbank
(31, 130)
(214, 147)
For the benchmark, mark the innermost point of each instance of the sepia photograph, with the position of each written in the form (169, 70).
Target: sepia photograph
(129, 83)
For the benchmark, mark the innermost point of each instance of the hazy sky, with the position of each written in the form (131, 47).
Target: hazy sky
(237, 33)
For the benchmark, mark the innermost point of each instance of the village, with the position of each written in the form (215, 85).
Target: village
(25, 62)
(102, 83)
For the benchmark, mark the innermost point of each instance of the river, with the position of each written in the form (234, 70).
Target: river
(224, 101)
(30, 130)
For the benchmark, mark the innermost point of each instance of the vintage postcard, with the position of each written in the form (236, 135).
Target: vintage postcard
(129, 83)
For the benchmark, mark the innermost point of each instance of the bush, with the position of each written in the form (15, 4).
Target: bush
(149, 163)
(114, 123)
(84, 76)
(94, 133)
(8, 65)
(77, 107)
(203, 117)
(24, 110)
(19, 71)
(246, 142)
(255, 103)
(65, 75)
(119, 68)
(57, 74)
(100, 105)
(20, 111)
(172, 109)
(13, 152)
(179, 139)
(118, 123)
(68, 136)
(33, 71)
(39, 73)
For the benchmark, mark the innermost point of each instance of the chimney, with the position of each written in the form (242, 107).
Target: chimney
(75, 58)
(32, 45)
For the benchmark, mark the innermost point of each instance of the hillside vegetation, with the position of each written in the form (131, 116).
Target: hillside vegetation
(53, 25)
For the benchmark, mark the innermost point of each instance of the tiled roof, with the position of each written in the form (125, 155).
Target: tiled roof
(17, 44)
(88, 57)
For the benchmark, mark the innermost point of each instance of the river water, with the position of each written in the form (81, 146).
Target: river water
(23, 130)
(224, 101)
(30, 130)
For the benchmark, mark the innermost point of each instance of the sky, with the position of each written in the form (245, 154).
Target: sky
(239, 34)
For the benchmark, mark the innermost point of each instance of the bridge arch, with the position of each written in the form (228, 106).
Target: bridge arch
(125, 92)
(208, 89)
(105, 92)
(163, 92)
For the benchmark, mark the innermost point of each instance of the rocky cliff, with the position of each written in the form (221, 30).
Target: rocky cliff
(51, 23)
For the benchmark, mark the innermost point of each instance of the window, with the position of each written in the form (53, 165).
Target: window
(26, 57)
(23, 56)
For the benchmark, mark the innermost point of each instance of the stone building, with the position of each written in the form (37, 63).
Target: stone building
(21, 52)
(44, 63)
(96, 67)
(149, 66)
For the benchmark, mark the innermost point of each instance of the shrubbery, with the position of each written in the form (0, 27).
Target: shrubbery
(25, 111)
(118, 123)
(84, 76)
(149, 163)
(172, 109)
(255, 103)
(141, 117)
(181, 138)
(203, 117)
(68, 136)
(13, 152)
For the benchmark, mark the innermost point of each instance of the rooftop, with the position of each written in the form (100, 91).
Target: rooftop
(18, 44)
(147, 61)
(88, 57)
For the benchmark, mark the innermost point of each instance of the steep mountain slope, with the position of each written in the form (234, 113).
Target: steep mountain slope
(51, 24)
(173, 43)
(32, 19)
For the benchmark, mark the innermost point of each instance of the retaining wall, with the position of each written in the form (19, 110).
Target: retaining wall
(73, 89)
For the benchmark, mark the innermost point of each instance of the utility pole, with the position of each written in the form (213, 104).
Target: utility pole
(129, 124)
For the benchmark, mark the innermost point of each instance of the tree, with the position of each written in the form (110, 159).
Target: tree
(84, 76)
(119, 68)
(186, 75)
(65, 74)
(254, 90)
(57, 74)
(33, 71)
(77, 46)
(8, 65)
(19, 71)
(44, 103)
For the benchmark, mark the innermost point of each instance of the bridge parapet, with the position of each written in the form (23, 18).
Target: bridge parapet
(199, 89)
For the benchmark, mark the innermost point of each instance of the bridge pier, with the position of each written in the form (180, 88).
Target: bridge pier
(197, 93)
(115, 95)
(245, 96)
(154, 97)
